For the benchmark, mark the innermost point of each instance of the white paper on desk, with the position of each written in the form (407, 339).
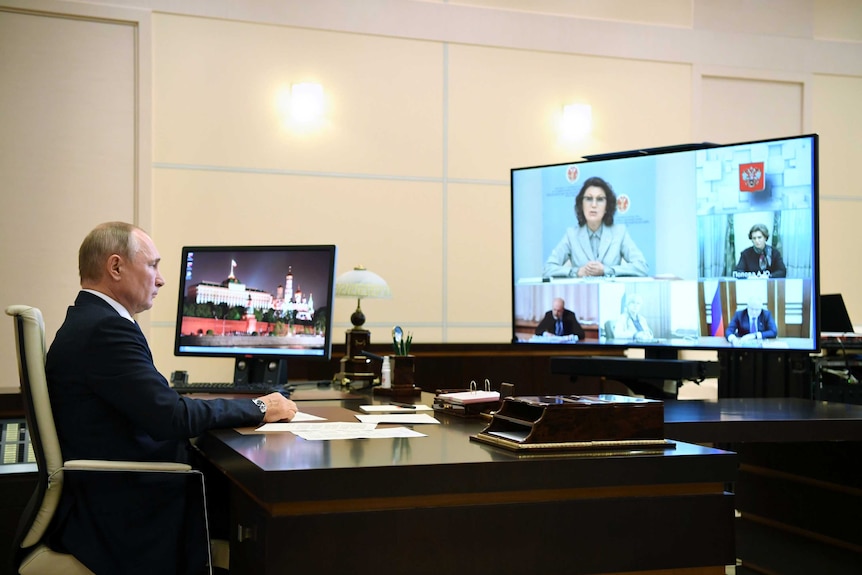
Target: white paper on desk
(393, 408)
(465, 397)
(312, 425)
(358, 434)
(397, 418)
(301, 417)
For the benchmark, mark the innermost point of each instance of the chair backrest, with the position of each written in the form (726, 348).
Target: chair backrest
(609, 329)
(30, 343)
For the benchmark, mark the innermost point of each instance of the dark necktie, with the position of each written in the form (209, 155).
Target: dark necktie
(753, 326)
(559, 327)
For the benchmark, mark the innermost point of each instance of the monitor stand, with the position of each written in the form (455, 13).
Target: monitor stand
(259, 370)
(659, 375)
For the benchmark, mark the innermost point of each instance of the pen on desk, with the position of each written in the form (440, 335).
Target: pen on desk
(407, 405)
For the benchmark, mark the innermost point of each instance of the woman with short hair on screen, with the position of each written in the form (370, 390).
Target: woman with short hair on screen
(760, 260)
(597, 247)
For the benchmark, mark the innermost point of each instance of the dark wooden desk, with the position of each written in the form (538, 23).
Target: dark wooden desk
(799, 488)
(444, 504)
(762, 420)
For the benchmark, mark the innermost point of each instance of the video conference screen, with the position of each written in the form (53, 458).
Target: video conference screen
(262, 301)
(709, 247)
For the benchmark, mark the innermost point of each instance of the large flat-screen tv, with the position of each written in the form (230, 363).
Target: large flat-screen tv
(261, 305)
(670, 248)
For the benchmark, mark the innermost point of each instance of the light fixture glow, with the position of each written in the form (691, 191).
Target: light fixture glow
(577, 121)
(306, 102)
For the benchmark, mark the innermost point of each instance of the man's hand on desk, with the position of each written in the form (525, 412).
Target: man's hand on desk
(278, 408)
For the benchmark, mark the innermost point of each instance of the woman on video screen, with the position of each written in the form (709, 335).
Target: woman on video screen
(760, 260)
(597, 247)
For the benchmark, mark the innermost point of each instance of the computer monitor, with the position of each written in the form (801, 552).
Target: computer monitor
(692, 235)
(833, 314)
(261, 305)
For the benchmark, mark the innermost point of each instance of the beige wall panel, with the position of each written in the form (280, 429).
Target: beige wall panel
(665, 12)
(392, 228)
(492, 333)
(838, 20)
(839, 261)
(67, 155)
(505, 106)
(792, 18)
(837, 120)
(839, 123)
(744, 109)
(217, 85)
(479, 244)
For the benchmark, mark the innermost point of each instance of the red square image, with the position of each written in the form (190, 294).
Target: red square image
(752, 177)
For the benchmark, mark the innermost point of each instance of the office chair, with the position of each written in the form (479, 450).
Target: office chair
(32, 555)
(609, 329)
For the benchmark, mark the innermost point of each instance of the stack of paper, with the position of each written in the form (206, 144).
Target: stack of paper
(468, 397)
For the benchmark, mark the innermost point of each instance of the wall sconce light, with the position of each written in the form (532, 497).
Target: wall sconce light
(577, 121)
(306, 102)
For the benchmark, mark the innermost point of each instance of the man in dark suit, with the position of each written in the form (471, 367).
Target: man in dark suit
(560, 321)
(110, 402)
(751, 325)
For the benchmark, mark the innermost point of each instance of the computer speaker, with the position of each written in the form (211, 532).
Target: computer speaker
(271, 372)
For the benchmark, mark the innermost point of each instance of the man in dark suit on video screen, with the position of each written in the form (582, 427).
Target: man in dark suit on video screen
(751, 325)
(560, 321)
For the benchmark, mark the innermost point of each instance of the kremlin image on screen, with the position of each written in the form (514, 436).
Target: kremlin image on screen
(261, 301)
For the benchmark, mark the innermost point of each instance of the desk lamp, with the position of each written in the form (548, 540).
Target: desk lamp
(359, 283)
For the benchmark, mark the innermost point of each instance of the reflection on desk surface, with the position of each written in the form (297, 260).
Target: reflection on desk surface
(448, 443)
(762, 419)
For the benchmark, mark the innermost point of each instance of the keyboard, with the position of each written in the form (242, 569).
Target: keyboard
(230, 387)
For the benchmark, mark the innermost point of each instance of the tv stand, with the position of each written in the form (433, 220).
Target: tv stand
(647, 376)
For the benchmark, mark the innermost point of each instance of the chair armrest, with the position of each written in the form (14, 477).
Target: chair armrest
(102, 465)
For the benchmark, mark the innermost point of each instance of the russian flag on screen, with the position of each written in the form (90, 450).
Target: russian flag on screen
(717, 325)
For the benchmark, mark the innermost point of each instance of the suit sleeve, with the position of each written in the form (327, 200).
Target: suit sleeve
(740, 265)
(733, 326)
(770, 327)
(575, 326)
(544, 325)
(634, 264)
(555, 265)
(122, 374)
(779, 270)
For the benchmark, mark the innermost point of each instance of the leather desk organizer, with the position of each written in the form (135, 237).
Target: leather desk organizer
(576, 422)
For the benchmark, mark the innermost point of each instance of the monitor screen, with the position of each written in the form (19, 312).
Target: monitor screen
(272, 302)
(833, 314)
(706, 246)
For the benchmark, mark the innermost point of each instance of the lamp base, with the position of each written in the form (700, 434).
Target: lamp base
(357, 370)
